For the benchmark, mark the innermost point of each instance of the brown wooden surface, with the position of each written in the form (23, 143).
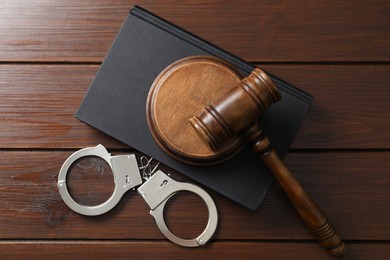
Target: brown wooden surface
(336, 50)
(189, 83)
(294, 30)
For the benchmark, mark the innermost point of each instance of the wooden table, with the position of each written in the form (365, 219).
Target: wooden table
(338, 51)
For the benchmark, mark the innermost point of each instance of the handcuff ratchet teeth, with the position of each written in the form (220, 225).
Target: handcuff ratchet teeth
(156, 191)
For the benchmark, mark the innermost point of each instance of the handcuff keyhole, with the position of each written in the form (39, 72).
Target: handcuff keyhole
(165, 182)
(128, 180)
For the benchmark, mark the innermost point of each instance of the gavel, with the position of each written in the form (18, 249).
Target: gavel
(236, 114)
(200, 110)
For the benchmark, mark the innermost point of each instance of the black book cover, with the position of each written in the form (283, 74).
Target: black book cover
(116, 104)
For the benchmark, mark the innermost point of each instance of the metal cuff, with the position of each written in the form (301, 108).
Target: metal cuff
(157, 191)
(124, 170)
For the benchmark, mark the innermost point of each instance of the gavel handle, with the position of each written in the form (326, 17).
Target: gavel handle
(306, 207)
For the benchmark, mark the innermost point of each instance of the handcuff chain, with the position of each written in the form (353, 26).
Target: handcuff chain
(147, 171)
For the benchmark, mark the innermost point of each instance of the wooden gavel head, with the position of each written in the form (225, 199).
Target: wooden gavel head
(228, 116)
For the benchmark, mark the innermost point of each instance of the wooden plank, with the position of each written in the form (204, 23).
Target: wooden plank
(77, 31)
(352, 188)
(164, 250)
(351, 107)
(37, 103)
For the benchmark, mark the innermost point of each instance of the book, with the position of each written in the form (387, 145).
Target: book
(115, 103)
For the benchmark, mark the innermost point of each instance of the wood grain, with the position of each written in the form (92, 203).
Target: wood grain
(38, 104)
(350, 109)
(336, 50)
(74, 31)
(352, 188)
(164, 250)
(182, 90)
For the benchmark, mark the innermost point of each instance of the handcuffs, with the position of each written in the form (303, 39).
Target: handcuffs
(156, 191)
